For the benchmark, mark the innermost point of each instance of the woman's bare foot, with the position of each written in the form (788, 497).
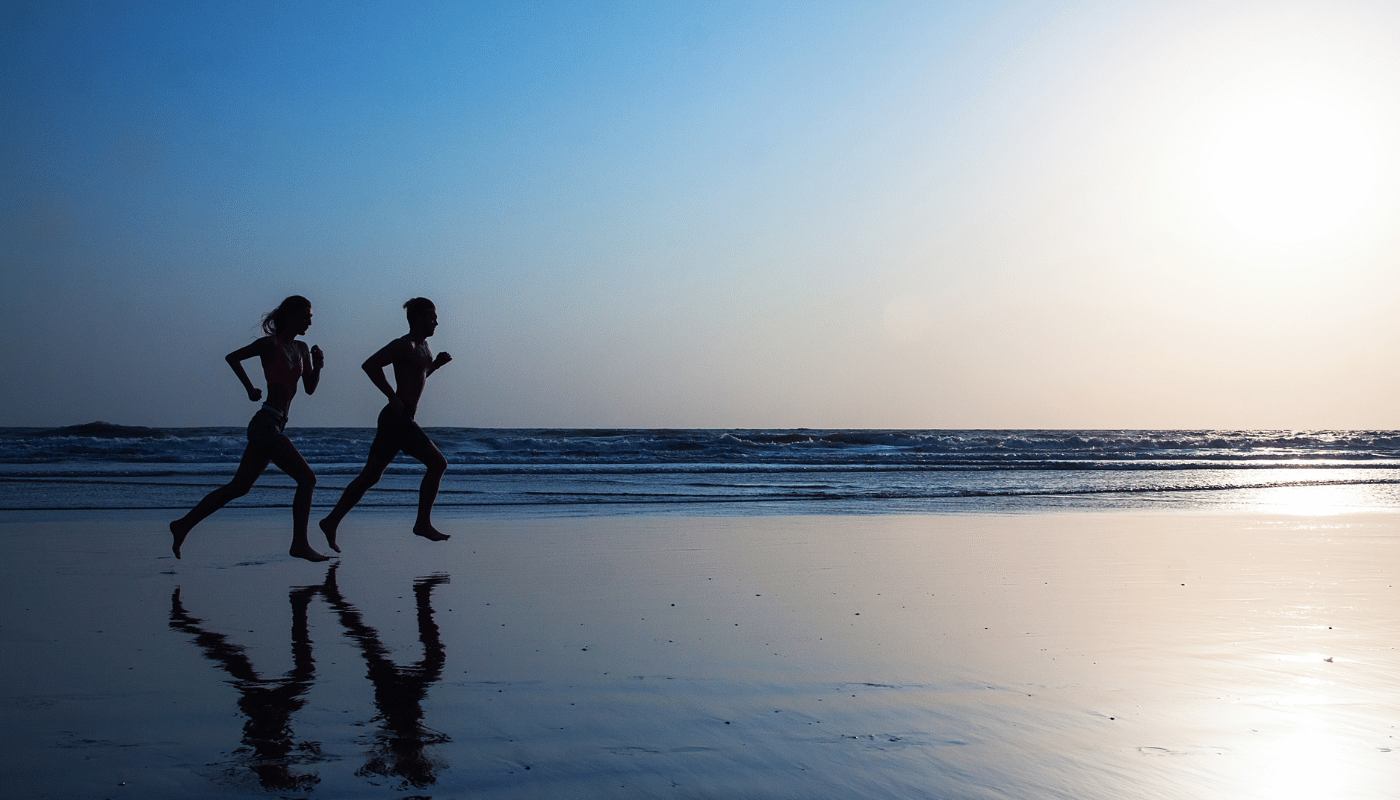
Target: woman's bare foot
(427, 531)
(329, 531)
(180, 530)
(303, 550)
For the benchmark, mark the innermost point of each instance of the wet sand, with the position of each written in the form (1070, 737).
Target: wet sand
(1100, 655)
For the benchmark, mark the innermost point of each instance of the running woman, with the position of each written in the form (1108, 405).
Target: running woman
(285, 360)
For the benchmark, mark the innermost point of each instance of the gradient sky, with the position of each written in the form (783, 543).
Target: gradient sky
(720, 214)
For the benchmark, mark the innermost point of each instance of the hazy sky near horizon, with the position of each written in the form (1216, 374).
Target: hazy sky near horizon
(725, 214)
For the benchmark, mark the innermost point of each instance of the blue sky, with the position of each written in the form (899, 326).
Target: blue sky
(902, 214)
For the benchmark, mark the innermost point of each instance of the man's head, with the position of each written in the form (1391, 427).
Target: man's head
(422, 314)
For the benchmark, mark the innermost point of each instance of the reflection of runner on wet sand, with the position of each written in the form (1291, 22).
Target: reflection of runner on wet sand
(269, 749)
(413, 362)
(268, 703)
(399, 691)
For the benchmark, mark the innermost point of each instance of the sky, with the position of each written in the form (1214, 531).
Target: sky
(710, 215)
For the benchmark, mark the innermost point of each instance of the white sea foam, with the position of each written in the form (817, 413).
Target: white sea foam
(812, 471)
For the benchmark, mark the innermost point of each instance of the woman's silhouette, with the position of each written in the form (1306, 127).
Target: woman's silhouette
(269, 748)
(284, 361)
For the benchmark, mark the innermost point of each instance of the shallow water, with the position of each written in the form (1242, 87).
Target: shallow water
(722, 472)
(1065, 655)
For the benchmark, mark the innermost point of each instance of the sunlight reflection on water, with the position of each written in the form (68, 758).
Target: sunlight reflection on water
(1320, 501)
(1305, 763)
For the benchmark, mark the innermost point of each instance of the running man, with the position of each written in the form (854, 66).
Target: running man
(285, 360)
(413, 363)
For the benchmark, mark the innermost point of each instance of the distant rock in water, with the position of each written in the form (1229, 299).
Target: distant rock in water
(107, 430)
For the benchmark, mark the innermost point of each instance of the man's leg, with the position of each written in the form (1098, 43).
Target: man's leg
(379, 459)
(417, 444)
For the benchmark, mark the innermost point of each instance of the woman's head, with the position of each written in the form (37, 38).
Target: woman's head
(278, 319)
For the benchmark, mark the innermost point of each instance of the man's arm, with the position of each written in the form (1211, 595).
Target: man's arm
(374, 368)
(442, 358)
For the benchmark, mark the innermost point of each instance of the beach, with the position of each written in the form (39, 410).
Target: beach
(872, 401)
(1072, 654)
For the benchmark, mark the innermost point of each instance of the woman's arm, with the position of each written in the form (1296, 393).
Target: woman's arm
(236, 359)
(311, 378)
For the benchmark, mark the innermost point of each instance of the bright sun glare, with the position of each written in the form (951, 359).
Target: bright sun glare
(1292, 165)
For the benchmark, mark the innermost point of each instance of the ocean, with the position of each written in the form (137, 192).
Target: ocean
(707, 472)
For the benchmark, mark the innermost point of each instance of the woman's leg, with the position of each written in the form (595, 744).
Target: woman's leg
(289, 460)
(254, 461)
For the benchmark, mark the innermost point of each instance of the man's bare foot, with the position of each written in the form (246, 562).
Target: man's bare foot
(180, 530)
(302, 550)
(427, 531)
(329, 531)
